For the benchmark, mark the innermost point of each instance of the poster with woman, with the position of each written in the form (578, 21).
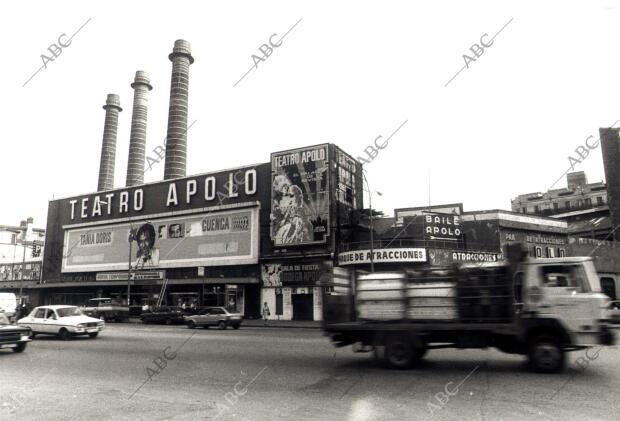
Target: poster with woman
(300, 196)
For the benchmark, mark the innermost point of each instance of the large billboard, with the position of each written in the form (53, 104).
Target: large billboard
(199, 239)
(300, 196)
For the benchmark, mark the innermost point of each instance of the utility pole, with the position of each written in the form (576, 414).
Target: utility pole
(130, 239)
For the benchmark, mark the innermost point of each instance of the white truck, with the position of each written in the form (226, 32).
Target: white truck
(8, 303)
(541, 308)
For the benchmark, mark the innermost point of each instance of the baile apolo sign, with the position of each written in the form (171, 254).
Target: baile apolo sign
(442, 227)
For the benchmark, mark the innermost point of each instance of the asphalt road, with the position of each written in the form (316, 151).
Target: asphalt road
(286, 374)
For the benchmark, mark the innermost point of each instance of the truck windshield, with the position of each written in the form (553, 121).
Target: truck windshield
(580, 277)
(4, 320)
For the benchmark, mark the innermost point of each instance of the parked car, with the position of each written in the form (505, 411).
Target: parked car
(167, 315)
(64, 321)
(14, 337)
(106, 309)
(214, 316)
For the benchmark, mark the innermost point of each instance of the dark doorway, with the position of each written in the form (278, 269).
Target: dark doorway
(279, 304)
(302, 307)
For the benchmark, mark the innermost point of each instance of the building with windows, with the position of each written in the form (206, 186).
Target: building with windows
(579, 195)
(584, 206)
(444, 235)
(21, 254)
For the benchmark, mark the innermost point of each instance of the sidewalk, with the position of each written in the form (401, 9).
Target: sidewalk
(302, 324)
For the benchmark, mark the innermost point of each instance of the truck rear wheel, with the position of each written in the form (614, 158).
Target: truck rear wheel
(402, 352)
(546, 355)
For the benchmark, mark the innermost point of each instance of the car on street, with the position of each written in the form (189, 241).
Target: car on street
(106, 309)
(213, 316)
(64, 321)
(167, 315)
(11, 336)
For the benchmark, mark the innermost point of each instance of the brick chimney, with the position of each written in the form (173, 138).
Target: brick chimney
(108, 148)
(137, 138)
(176, 144)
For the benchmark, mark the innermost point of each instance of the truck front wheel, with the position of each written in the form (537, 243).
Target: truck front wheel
(546, 355)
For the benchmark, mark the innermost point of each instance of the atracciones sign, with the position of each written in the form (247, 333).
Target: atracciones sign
(396, 255)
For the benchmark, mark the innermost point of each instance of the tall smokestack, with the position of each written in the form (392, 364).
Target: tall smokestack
(176, 144)
(610, 147)
(108, 149)
(137, 138)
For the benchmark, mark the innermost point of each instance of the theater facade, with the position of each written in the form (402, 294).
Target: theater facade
(237, 238)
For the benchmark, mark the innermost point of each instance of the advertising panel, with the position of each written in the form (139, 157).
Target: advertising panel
(300, 196)
(396, 255)
(348, 174)
(441, 257)
(207, 239)
(442, 227)
(277, 274)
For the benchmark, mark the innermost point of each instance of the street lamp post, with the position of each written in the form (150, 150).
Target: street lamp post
(372, 231)
(21, 278)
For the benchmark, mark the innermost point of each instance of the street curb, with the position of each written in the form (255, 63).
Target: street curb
(282, 326)
(243, 325)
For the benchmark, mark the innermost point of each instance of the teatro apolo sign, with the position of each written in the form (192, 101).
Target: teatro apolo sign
(400, 255)
(208, 190)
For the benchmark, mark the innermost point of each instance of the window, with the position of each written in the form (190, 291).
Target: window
(567, 204)
(536, 209)
(562, 276)
(599, 201)
(609, 288)
(50, 314)
(40, 314)
(550, 252)
(561, 253)
(556, 205)
(524, 210)
(588, 201)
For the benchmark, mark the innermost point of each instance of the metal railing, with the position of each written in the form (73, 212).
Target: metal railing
(410, 243)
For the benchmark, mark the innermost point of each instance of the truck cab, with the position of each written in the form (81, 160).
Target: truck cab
(567, 291)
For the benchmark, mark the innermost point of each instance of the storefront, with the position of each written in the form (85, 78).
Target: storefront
(292, 289)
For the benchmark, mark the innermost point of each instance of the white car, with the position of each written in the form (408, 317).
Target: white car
(64, 321)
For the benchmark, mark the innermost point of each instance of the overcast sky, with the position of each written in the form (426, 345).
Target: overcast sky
(347, 73)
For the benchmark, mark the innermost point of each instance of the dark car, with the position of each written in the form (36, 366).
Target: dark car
(106, 309)
(13, 337)
(214, 316)
(167, 315)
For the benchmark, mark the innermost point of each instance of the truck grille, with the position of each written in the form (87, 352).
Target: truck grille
(94, 324)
